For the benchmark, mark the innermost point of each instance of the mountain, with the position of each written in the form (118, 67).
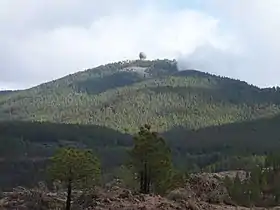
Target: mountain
(208, 120)
(128, 94)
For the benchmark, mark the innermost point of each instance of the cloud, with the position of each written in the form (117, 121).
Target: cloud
(256, 26)
(44, 40)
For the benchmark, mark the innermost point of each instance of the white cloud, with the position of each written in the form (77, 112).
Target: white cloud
(44, 40)
(256, 25)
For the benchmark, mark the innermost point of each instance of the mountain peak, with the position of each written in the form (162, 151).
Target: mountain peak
(127, 94)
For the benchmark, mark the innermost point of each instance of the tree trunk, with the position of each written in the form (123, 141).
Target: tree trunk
(149, 179)
(69, 192)
(145, 178)
(142, 188)
(146, 182)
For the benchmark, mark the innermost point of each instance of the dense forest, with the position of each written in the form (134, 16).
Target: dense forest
(125, 95)
(28, 145)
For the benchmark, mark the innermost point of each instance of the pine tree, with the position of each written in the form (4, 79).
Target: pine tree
(254, 184)
(237, 189)
(74, 168)
(151, 158)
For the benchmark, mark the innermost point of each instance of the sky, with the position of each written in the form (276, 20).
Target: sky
(45, 40)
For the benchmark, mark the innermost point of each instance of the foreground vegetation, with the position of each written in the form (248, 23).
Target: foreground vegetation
(149, 169)
(150, 159)
(261, 187)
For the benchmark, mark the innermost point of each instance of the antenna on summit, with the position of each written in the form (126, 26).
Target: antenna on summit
(142, 56)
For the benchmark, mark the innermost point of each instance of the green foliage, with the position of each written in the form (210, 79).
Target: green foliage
(273, 161)
(231, 146)
(156, 93)
(178, 179)
(77, 166)
(236, 162)
(261, 186)
(211, 123)
(26, 147)
(127, 176)
(207, 120)
(151, 158)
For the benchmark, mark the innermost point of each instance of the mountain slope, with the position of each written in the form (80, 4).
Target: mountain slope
(252, 137)
(126, 95)
(25, 146)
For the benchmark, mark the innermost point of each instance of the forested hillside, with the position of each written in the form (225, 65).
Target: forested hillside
(231, 146)
(210, 122)
(25, 147)
(125, 95)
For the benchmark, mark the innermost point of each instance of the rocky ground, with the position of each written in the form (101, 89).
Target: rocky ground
(204, 191)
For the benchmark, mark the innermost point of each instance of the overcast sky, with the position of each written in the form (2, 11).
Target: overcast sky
(43, 40)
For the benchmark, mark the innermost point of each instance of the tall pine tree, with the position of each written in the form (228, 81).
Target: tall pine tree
(75, 168)
(151, 158)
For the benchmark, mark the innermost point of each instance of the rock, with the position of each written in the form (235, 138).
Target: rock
(203, 192)
(126, 194)
(192, 205)
(180, 194)
(208, 187)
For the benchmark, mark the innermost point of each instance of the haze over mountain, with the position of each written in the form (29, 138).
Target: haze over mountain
(236, 39)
